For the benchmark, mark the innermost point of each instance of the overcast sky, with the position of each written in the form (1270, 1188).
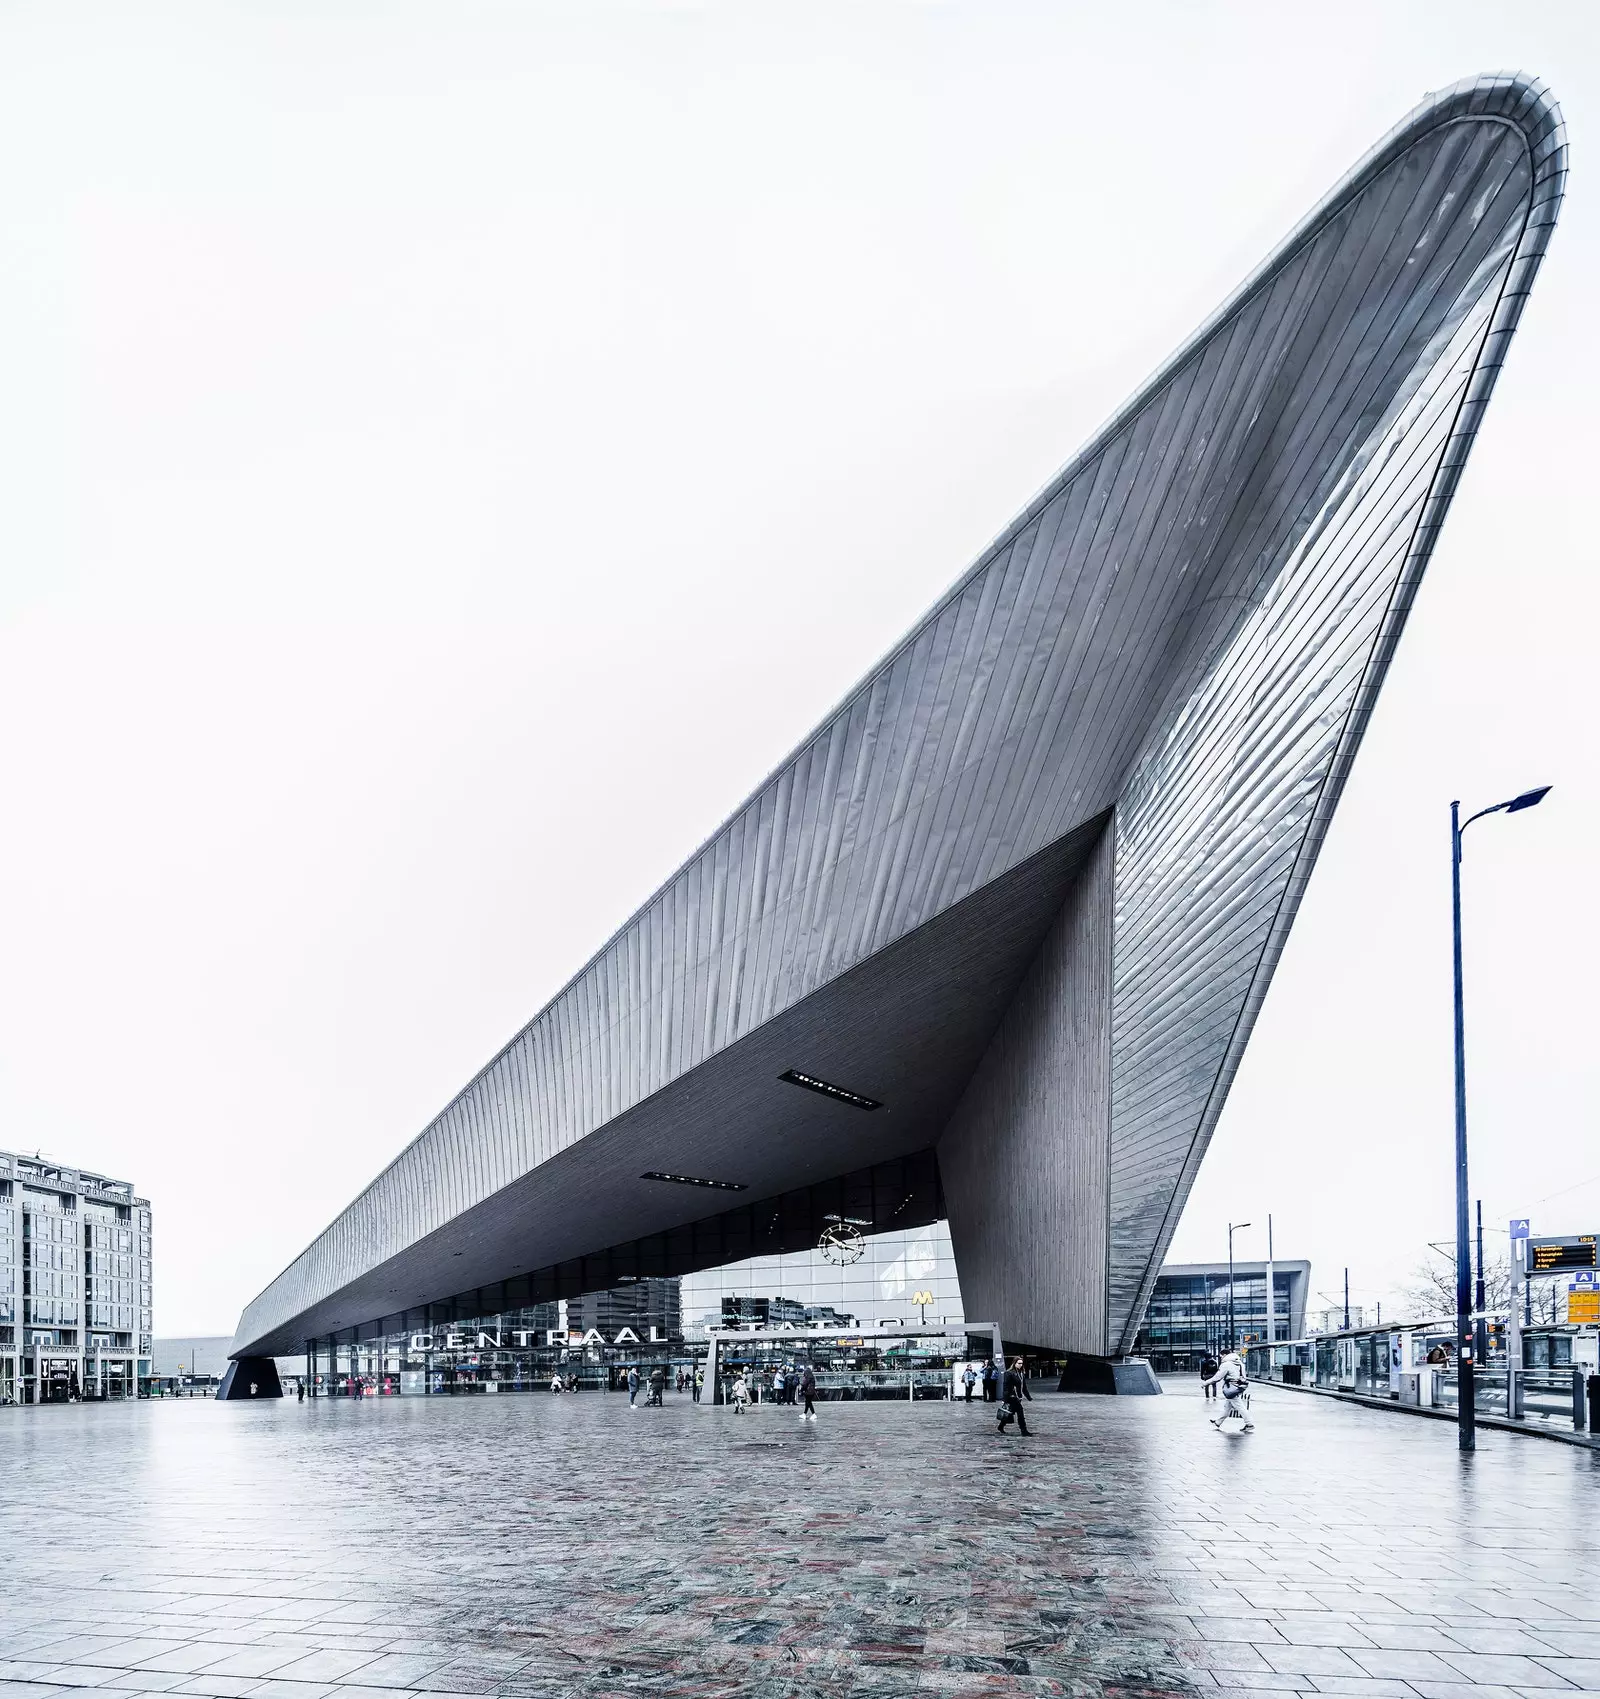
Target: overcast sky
(423, 423)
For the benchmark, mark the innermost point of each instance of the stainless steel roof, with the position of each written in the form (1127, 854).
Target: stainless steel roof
(1186, 627)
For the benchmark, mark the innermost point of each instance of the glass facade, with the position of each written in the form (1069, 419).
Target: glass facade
(878, 1288)
(836, 1305)
(1188, 1316)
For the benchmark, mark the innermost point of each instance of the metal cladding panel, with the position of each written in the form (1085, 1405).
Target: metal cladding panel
(1188, 623)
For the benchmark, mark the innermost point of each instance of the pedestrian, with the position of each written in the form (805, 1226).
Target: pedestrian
(741, 1395)
(777, 1386)
(658, 1385)
(969, 1379)
(990, 1377)
(1208, 1367)
(1235, 1384)
(300, 1393)
(808, 1390)
(633, 1385)
(699, 1381)
(555, 1380)
(1013, 1389)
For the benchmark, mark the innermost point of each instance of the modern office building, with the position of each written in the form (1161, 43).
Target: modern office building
(1190, 1316)
(986, 949)
(74, 1283)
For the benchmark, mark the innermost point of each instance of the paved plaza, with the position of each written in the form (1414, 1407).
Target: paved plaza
(540, 1545)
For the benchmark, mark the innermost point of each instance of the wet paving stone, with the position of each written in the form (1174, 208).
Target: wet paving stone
(527, 1546)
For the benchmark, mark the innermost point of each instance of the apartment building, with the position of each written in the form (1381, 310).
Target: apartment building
(74, 1283)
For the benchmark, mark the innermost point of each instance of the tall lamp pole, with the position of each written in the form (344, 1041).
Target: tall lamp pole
(1466, 1394)
(1233, 1227)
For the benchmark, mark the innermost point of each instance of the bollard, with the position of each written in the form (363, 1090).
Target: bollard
(1594, 1404)
(1577, 1401)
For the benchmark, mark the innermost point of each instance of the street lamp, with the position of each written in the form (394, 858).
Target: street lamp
(1466, 1395)
(1233, 1227)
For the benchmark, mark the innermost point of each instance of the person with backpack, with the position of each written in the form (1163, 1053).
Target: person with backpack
(808, 1391)
(969, 1379)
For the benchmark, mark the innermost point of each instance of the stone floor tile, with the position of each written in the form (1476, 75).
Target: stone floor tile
(1312, 1660)
(1581, 1672)
(275, 1688)
(254, 1663)
(396, 1670)
(1497, 1638)
(72, 1675)
(218, 1686)
(1256, 1630)
(1303, 1629)
(1363, 1686)
(1503, 1670)
(189, 1659)
(1464, 1690)
(1404, 1665)
(324, 1666)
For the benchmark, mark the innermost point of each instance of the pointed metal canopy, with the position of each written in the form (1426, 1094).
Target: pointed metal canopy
(1177, 643)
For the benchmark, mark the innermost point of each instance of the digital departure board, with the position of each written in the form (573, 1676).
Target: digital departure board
(1553, 1256)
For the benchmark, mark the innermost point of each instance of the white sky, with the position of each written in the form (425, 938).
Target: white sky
(421, 424)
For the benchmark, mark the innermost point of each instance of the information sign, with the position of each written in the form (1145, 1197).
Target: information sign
(1519, 1228)
(1554, 1256)
(1583, 1301)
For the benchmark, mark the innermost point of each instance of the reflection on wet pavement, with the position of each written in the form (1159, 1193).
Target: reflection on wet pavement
(539, 1545)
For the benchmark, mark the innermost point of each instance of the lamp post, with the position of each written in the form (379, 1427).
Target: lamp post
(1466, 1397)
(1233, 1227)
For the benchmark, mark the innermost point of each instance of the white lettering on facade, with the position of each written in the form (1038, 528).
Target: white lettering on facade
(455, 1342)
(626, 1335)
(421, 1341)
(489, 1339)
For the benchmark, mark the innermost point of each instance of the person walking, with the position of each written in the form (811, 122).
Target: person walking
(969, 1379)
(1208, 1367)
(633, 1385)
(300, 1393)
(990, 1377)
(741, 1395)
(1235, 1384)
(808, 1391)
(658, 1385)
(1013, 1389)
(699, 1381)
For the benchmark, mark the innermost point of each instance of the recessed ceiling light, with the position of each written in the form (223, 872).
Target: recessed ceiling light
(695, 1180)
(837, 1092)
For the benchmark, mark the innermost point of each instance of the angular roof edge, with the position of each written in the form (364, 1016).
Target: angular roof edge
(1518, 100)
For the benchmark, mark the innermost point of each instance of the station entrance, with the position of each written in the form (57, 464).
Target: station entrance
(848, 1364)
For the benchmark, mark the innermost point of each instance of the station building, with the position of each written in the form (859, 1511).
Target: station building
(983, 954)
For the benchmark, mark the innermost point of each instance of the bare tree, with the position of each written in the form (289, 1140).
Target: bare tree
(1432, 1289)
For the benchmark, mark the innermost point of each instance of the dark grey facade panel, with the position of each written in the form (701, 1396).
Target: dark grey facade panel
(1188, 624)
